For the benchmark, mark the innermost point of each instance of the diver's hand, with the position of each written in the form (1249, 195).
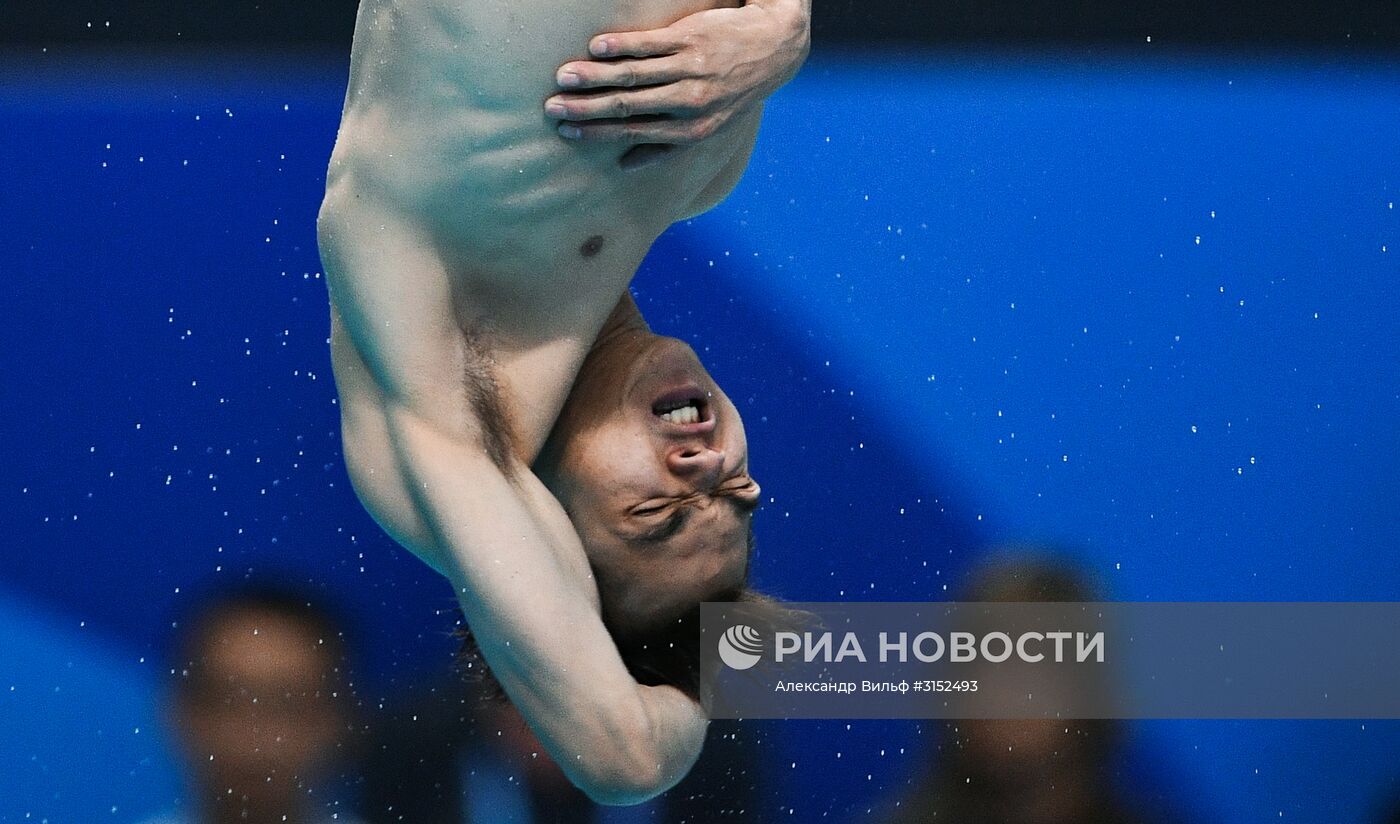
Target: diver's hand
(682, 83)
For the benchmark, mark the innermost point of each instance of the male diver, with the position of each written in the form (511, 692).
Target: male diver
(489, 198)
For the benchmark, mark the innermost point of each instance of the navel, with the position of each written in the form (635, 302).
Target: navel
(592, 246)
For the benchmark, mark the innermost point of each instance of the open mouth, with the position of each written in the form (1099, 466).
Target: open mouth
(682, 407)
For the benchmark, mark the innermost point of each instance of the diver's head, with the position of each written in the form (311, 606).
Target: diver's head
(649, 459)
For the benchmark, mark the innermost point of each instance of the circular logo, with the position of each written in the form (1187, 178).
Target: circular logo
(740, 647)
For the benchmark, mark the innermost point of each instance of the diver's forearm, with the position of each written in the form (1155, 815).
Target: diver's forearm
(793, 33)
(525, 587)
(685, 82)
(799, 11)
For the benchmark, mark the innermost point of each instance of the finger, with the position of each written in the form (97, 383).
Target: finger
(583, 74)
(671, 99)
(672, 131)
(653, 43)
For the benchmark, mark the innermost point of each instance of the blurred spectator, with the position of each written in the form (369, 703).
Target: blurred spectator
(1024, 771)
(459, 758)
(258, 707)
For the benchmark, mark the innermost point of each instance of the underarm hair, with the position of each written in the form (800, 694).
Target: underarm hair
(483, 395)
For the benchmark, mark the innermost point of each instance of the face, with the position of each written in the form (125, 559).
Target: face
(649, 459)
(257, 715)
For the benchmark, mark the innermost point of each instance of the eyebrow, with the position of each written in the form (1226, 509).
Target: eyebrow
(745, 506)
(673, 524)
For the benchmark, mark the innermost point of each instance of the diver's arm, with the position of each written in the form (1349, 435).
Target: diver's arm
(419, 463)
(523, 581)
(724, 182)
(684, 82)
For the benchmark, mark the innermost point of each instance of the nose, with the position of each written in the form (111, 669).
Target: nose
(696, 462)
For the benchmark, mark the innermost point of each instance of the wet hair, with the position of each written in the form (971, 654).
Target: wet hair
(208, 609)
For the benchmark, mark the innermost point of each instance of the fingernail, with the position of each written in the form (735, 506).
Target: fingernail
(601, 48)
(555, 109)
(569, 79)
(570, 132)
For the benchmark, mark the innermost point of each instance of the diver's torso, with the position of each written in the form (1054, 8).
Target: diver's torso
(444, 121)
(444, 137)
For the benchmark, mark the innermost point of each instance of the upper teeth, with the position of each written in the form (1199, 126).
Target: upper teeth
(686, 414)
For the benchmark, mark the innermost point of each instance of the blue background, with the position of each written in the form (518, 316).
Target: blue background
(1142, 309)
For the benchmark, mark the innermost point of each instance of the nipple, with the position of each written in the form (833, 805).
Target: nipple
(592, 246)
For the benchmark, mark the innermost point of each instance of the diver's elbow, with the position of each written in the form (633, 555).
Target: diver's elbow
(624, 786)
(630, 769)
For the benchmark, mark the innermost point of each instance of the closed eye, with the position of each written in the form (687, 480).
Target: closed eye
(741, 491)
(668, 527)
